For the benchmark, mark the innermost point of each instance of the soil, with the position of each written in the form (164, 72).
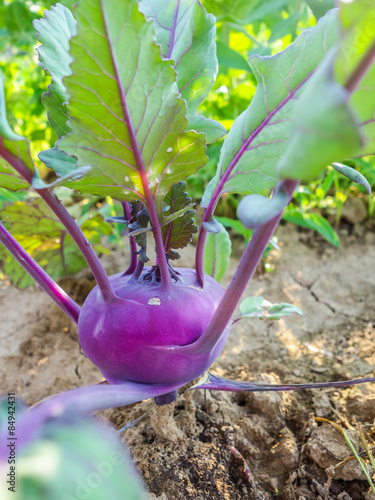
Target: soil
(229, 446)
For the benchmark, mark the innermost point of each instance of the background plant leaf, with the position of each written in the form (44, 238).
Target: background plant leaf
(313, 221)
(353, 175)
(186, 34)
(217, 254)
(14, 144)
(43, 236)
(127, 117)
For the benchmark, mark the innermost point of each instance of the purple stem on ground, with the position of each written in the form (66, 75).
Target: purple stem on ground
(215, 383)
(39, 275)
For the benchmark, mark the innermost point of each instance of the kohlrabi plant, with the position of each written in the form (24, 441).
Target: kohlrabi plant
(127, 81)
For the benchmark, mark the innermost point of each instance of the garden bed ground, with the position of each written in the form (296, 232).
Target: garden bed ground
(219, 436)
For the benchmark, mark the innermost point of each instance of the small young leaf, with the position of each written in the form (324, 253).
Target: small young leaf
(315, 222)
(54, 33)
(353, 175)
(212, 226)
(139, 228)
(217, 254)
(255, 210)
(177, 233)
(58, 161)
(127, 119)
(258, 307)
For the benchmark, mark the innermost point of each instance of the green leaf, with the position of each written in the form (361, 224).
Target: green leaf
(18, 21)
(335, 117)
(353, 175)
(315, 222)
(84, 450)
(54, 33)
(256, 210)
(236, 225)
(284, 27)
(43, 236)
(260, 135)
(211, 128)
(178, 233)
(186, 34)
(320, 7)
(139, 228)
(230, 58)
(357, 43)
(127, 120)
(324, 128)
(217, 254)
(58, 161)
(258, 307)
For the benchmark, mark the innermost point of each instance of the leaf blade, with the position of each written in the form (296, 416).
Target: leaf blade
(114, 127)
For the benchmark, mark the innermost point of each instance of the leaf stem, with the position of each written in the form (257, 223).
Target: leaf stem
(65, 218)
(199, 253)
(132, 244)
(45, 282)
(245, 270)
(360, 71)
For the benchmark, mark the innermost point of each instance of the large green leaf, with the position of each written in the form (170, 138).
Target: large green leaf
(217, 253)
(324, 128)
(43, 236)
(186, 34)
(260, 135)
(128, 121)
(334, 119)
(54, 33)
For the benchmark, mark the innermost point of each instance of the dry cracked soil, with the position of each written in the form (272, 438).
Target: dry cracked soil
(229, 446)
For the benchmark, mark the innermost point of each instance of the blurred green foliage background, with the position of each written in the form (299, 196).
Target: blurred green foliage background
(244, 28)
